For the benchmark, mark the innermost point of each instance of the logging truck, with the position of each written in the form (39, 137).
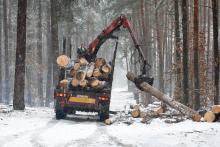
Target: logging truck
(86, 84)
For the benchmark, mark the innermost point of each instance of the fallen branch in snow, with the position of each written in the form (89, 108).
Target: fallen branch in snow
(164, 98)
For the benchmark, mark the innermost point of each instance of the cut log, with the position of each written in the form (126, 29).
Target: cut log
(158, 110)
(95, 83)
(90, 69)
(166, 99)
(83, 61)
(111, 120)
(97, 72)
(73, 72)
(64, 83)
(63, 60)
(74, 82)
(83, 83)
(76, 66)
(99, 62)
(135, 113)
(209, 116)
(108, 121)
(105, 76)
(216, 109)
(149, 113)
(106, 68)
(143, 114)
(80, 75)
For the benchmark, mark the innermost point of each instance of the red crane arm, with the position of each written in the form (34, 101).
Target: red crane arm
(107, 33)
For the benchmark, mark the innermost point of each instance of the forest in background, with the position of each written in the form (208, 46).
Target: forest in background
(178, 37)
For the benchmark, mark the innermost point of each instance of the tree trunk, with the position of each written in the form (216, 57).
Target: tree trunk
(18, 101)
(185, 52)
(49, 59)
(215, 51)
(177, 92)
(54, 39)
(166, 99)
(7, 90)
(40, 59)
(1, 95)
(196, 102)
(160, 51)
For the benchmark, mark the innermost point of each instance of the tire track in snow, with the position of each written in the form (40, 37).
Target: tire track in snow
(93, 139)
(34, 137)
(13, 137)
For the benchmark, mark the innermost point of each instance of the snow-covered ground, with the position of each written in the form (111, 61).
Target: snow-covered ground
(37, 127)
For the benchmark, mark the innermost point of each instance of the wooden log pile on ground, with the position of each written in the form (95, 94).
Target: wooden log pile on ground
(84, 74)
(139, 113)
(210, 116)
(213, 115)
(166, 99)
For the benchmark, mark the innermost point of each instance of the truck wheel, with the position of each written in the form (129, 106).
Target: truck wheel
(60, 114)
(104, 112)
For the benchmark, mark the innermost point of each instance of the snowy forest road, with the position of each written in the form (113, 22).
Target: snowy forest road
(37, 127)
(57, 133)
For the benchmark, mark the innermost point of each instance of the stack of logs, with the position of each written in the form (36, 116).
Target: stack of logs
(213, 115)
(156, 110)
(137, 111)
(84, 74)
(153, 110)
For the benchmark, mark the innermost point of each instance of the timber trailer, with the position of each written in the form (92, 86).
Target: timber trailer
(88, 99)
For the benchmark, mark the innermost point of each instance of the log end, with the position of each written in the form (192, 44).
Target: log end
(130, 76)
(74, 82)
(216, 109)
(159, 110)
(83, 61)
(135, 113)
(209, 116)
(63, 60)
(108, 121)
(76, 66)
(64, 83)
(196, 117)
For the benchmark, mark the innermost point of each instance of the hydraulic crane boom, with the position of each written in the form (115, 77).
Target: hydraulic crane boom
(107, 33)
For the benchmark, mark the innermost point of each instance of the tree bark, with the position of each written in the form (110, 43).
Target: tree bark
(18, 101)
(49, 59)
(40, 58)
(54, 39)
(196, 57)
(160, 51)
(1, 95)
(166, 99)
(177, 92)
(7, 89)
(215, 51)
(185, 52)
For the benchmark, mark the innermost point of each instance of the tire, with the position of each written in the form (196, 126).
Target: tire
(60, 114)
(104, 112)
